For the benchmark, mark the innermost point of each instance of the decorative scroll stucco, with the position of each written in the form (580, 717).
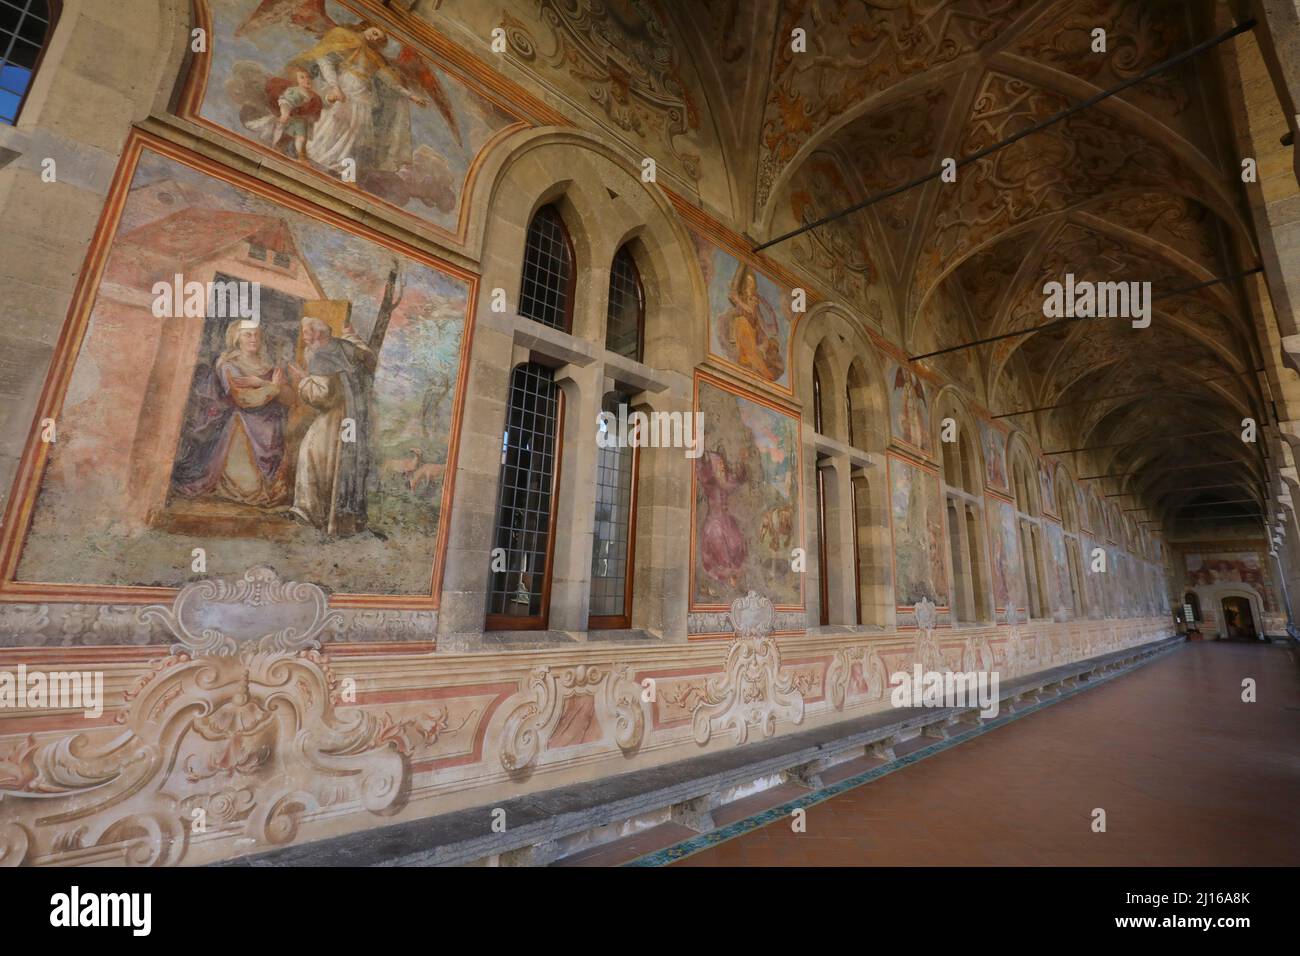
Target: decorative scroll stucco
(532, 723)
(752, 691)
(235, 730)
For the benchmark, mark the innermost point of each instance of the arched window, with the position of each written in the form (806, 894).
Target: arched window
(855, 408)
(614, 536)
(25, 28)
(1068, 502)
(1024, 480)
(823, 560)
(824, 400)
(520, 583)
(625, 317)
(817, 400)
(963, 489)
(546, 290)
(855, 389)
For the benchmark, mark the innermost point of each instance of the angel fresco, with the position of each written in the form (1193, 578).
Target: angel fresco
(343, 103)
(751, 326)
(909, 408)
(748, 324)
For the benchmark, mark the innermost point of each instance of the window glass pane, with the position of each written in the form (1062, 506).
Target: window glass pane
(548, 269)
(626, 308)
(524, 497)
(14, 78)
(9, 106)
(22, 53)
(817, 400)
(24, 26)
(610, 544)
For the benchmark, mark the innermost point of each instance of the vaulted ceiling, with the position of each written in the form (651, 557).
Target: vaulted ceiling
(1140, 187)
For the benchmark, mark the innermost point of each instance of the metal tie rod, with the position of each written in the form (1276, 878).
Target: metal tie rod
(1143, 441)
(1123, 474)
(1058, 323)
(1175, 60)
(1126, 494)
(1162, 390)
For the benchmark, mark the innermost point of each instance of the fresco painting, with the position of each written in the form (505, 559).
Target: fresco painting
(909, 406)
(1245, 567)
(1092, 581)
(324, 85)
(917, 511)
(1060, 569)
(1008, 579)
(1048, 485)
(196, 431)
(995, 455)
(750, 316)
(747, 516)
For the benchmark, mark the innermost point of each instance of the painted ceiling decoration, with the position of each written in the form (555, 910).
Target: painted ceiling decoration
(1139, 187)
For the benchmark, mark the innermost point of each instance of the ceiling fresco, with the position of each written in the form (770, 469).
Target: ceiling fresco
(1142, 186)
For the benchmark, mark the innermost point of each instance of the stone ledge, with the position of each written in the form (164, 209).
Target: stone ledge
(541, 819)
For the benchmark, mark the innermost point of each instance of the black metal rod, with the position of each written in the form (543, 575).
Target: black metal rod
(1122, 474)
(1143, 441)
(1207, 283)
(1093, 100)
(1208, 505)
(1163, 390)
(1060, 322)
(1216, 504)
(1194, 522)
(1228, 484)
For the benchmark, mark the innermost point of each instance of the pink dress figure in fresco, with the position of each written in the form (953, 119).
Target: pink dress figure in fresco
(722, 544)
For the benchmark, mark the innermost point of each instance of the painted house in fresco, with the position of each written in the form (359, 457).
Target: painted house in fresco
(203, 245)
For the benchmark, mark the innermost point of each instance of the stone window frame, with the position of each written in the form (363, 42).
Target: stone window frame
(1022, 466)
(605, 206)
(1067, 500)
(963, 494)
(856, 590)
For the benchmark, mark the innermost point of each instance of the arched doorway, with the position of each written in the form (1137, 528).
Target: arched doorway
(1238, 620)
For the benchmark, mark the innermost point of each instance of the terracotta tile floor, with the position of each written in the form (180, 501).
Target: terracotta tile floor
(1187, 773)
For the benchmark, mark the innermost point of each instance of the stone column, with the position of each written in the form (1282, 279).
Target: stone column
(575, 501)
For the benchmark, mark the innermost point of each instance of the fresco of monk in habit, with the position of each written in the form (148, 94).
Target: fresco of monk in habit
(365, 98)
(333, 473)
(233, 441)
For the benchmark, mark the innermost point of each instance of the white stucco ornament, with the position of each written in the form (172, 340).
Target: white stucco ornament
(751, 692)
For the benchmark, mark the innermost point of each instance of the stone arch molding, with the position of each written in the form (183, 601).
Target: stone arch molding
(605, 205)
(951, 401)
(827, 323)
